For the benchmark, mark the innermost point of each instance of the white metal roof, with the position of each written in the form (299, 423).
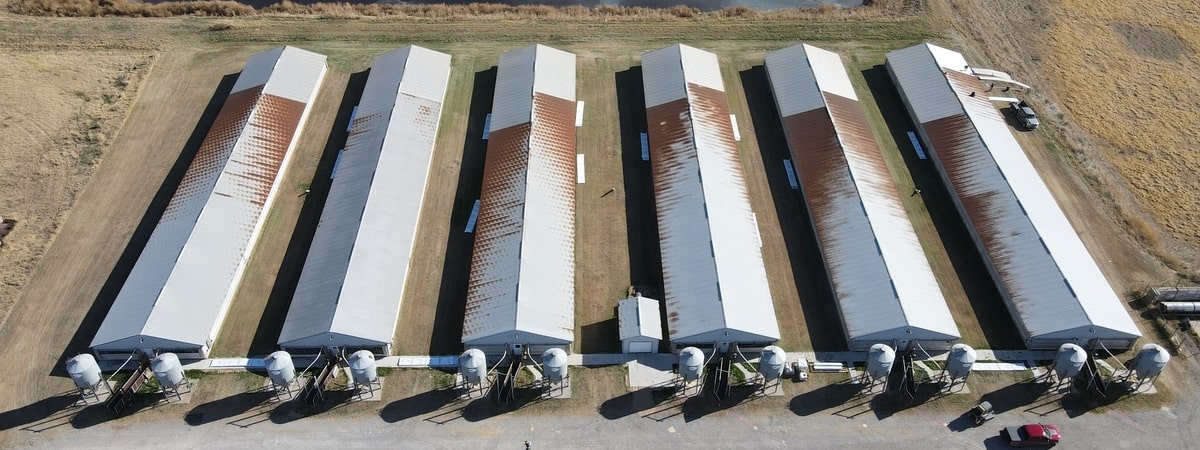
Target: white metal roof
(638, 317)
(713, 272)
(178, 292)
(884, 286)
(351, 287)
(1050, 281)
(522, 283)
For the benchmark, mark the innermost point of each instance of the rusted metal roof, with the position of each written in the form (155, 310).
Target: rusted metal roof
(178, 292)
(522, 282)
(350, 290)
(1050, 283)
(713, 271)
(884, 287)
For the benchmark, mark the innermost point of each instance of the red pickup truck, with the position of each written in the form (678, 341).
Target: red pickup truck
(1034, 434)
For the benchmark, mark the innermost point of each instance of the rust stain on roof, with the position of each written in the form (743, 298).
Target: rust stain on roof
(214, 151)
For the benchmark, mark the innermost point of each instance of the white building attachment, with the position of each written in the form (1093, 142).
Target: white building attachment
(1050, 283)
(882, 282)
(179, 290)
(639, 324)
(713, 272)
(521, 292)
(350, 289)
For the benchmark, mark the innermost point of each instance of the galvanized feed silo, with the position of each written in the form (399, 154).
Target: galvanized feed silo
(1150, 361)
(960, 361)
(84, 371)
(1069, 360)
(879, 361)
(167, 370)
(472, 364)
(771, 364)
(554, 362)
(280, 368)
(691, 363)
(362, 367)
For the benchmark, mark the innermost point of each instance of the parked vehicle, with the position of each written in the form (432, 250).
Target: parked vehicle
(1031, 435)
(1024, 114)
(981, 413)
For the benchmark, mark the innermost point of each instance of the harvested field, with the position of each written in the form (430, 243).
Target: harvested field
(60, 113)
(1109, 102)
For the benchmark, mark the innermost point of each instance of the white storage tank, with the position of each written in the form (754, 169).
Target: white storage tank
(472, 364)
(362, 367)
(167, 370)
(691, 363)
(1150, 361)
(960, 361)
(1069, 360)
(879, 361)
(84, 371)
(554, 363)
(280, 368)
(772, 362)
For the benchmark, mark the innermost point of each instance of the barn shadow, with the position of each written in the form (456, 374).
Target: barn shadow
(635, 402)
(641, 219)
(233, 407)
(808, 270)
(82, 339)
(270, 324)
(418, 405)
(452, 293)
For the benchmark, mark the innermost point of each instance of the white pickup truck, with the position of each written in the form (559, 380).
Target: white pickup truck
(1024, 114)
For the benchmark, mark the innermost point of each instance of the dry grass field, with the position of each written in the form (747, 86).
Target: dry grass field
(1110, 80)
(60, 111)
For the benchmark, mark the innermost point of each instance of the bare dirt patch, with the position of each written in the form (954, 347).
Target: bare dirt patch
(1151, 41)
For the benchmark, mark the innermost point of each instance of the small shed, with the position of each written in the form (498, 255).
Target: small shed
(640, 324)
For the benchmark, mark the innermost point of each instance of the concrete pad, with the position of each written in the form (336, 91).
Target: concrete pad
(101, 396)
(648, 373)
(368, 394)
(472, 392)
(281, 393)
(184, 396)
(557, 390)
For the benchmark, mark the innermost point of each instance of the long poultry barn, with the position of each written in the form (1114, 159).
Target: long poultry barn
(883, 285)
(521, 291)
(352, 284)
(717, 296)
(179, 290)
(1052, 287)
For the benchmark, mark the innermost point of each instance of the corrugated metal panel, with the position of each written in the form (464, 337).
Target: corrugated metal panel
(716, 292)
(180, 287)
(795, 73)
(350, 291)
(638, 317)
(522, 282)
(661, 74)
(922, 84)
(884, 286)
(1053, 287)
